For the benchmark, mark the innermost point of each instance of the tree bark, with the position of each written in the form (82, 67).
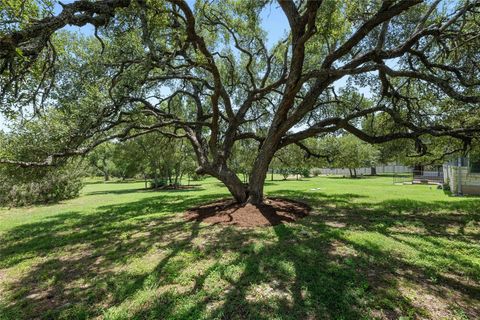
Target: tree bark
(229, 178)
(234, 184)
(255, 191)
(106, 176)
(258, 176)
(155, 177)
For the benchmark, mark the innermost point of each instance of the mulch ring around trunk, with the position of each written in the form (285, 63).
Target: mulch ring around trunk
(272, 212)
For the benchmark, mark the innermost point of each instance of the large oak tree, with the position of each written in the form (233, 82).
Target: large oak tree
(207, 73)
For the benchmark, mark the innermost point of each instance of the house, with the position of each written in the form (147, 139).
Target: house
(463, 176)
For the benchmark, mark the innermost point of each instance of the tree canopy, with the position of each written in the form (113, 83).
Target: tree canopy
(205, 72)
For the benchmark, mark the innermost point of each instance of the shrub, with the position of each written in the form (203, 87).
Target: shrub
(159, 183)
(304, 172)
(316, 172)
(53, 185)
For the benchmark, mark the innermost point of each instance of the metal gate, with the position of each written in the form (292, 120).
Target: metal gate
(428, 176)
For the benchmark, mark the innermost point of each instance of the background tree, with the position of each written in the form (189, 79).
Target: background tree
(241, 161)
(102, 159)
(164, 160)
(292, 160)
(285, 161)
(127, 159)
(205, 73)
(156, 157)
(354, 153)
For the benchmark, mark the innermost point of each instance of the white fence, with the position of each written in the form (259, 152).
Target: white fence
(367, 171)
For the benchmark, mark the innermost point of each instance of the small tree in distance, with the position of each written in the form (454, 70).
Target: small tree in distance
(354, 153)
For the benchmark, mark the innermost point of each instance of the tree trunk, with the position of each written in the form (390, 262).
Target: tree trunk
(105, 170)
(180, 178)
(258, 176)
(155, 177)
(177, 173)
(255, 189)
(354, 172)
(175, 179)
(373, 171)
(418, 170)
(233, 183)
(169, 176)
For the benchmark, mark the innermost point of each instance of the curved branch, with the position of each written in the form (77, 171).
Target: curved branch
(33, 38)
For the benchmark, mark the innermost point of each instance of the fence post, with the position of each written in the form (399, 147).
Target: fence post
(459, 173)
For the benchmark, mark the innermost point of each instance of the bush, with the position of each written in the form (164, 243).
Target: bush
(159, 183)
(304, 172)
(52, 186)
(316, 172)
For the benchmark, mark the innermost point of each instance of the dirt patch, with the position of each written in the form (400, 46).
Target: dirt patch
(272, 212)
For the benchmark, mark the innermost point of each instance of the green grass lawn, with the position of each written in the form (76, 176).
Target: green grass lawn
(371, 250)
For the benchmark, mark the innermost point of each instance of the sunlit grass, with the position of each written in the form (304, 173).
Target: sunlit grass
(372, 249)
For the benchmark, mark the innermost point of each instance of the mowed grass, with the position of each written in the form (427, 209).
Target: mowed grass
(370, 250)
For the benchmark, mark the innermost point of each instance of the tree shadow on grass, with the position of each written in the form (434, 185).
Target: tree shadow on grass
(119, 192)
(191, 188)
(349, 260)
(71, 257)
(113, 181)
